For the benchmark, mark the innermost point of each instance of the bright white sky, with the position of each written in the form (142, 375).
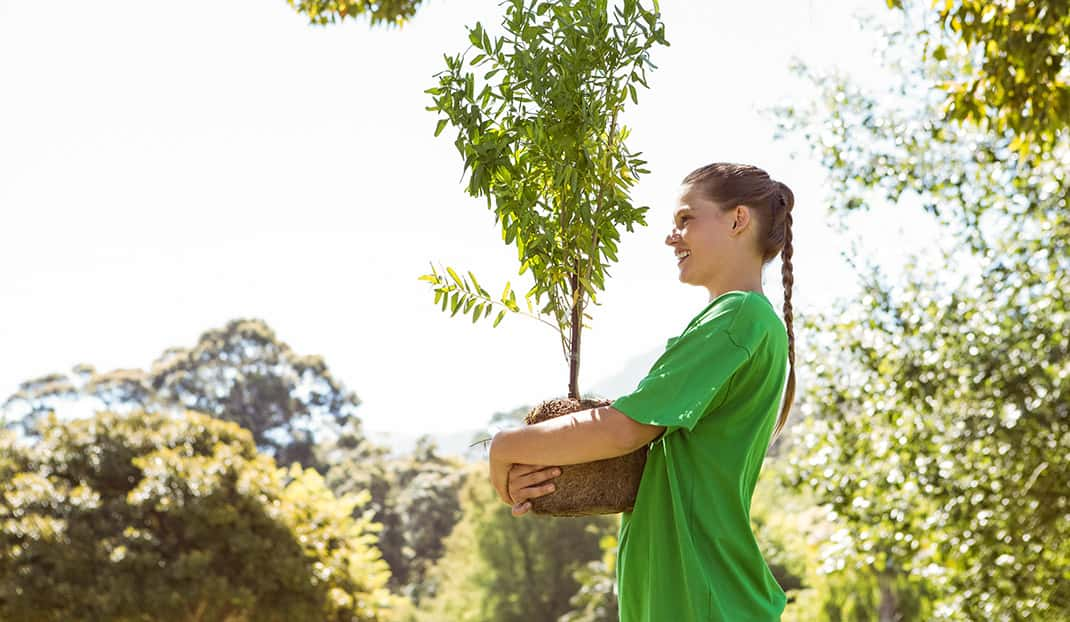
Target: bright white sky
(167, 167)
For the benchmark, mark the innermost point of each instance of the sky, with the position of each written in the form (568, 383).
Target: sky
(165, 168)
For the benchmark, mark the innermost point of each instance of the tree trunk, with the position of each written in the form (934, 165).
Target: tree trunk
(577, 324)
(889, 607)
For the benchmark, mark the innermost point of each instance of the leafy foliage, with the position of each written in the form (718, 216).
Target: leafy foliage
(501, 568)
(596, 600)
(460, 294)
(379, 12)
(939, 410)
(241, 373)
(1011, 63)
(541, 140)
(144, 516)
(415, 498)
(796, 534)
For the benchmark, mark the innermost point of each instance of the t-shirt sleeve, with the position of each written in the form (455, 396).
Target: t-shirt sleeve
(692, 373)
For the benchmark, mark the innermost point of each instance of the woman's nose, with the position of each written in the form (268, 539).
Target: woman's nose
(669, 239)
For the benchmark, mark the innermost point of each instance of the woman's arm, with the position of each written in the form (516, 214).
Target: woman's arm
(582, 436)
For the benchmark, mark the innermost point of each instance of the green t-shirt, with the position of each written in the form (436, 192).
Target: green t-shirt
(686, 550)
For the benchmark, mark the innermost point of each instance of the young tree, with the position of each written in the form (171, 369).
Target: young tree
(541, 139)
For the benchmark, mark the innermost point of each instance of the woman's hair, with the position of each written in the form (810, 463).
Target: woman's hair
(729, 185)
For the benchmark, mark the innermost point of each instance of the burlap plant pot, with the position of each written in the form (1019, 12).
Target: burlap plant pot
(601, 487)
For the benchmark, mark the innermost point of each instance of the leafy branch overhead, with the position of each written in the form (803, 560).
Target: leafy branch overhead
(540, 136)
(1011, 60)
(389, 12)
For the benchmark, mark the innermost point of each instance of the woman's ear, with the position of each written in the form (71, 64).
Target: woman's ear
(740, 218)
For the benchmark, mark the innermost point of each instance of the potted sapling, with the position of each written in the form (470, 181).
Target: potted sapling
(541, 138)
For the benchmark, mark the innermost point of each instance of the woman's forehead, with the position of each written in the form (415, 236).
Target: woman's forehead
(688, 200)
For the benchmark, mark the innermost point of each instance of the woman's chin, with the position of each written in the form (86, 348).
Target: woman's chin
(681, 273)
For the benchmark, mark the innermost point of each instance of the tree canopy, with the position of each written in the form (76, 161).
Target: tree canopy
(241, 372)
(1011, 63)
(128, 516)
(939, 402)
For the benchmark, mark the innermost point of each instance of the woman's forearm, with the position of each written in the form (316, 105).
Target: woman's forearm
(582, 436)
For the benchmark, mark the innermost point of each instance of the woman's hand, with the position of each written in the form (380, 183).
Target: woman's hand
(528, 481)
(517, 484)
(499, 476)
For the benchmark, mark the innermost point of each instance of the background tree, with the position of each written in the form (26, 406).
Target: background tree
(940, 399)
(242, 373)
(596, 599)
(540, 139)
(414, 497)
(136, 516)
(498, 568)
(245, 374)
(799, 540)
(36, 398)
(1011, 59)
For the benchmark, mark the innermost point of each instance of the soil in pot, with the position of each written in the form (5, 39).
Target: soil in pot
(601, 487)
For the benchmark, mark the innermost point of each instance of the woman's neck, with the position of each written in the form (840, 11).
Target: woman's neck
(741, 284)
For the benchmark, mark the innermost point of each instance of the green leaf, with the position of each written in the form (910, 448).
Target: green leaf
(456, 278)
(498, 319)
(475, 283)
(441, 125)
(475, 35)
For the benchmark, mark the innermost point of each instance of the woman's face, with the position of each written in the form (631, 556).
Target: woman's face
(705, 230)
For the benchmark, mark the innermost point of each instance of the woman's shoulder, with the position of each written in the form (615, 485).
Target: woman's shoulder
(747, 315)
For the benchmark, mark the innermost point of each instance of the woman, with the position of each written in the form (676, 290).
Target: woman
(707, 408)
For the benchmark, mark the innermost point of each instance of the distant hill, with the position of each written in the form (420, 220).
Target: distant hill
(449, 444)
(457, 443)
(625, 380)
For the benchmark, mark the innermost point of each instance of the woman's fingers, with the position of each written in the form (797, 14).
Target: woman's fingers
(523, 475)
(523, 494)
(531, 482)
(519, 470)
(527, 482)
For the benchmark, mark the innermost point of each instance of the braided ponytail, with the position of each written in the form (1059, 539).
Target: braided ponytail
(787, 201)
